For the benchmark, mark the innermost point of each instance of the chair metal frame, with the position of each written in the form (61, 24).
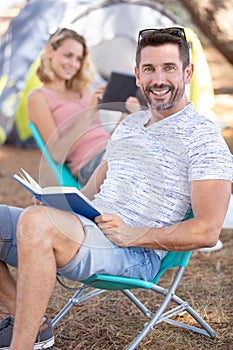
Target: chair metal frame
(61, 171)
(164, 313)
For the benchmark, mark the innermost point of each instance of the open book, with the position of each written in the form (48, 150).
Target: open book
(60, 197)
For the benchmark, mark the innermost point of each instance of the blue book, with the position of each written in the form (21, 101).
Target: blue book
(60, 197)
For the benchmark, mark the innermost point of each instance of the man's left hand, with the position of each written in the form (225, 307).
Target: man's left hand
(116, 230)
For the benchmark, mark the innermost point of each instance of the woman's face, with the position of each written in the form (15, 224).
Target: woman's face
(66, 60)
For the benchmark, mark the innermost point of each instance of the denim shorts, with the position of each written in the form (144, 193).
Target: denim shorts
(97, 254)
(8, 244)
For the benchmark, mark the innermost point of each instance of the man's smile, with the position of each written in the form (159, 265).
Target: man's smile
(161, 91)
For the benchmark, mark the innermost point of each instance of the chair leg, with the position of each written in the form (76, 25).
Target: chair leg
(164, 316)
(208, 331)
(67, 307)
(161, 315)
(79, 296)
(138, 303)
(150, 324)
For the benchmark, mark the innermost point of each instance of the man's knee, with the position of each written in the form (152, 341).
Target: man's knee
(32, 215)
(32, 220)
(50, 225)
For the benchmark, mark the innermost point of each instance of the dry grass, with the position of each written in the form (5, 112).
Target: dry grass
(109, 322)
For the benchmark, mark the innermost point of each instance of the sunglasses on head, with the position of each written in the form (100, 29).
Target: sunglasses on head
(175, 31)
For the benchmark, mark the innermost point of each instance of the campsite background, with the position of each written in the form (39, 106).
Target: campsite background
(109, 322)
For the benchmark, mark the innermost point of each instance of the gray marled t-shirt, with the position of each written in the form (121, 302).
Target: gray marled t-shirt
(150, 168)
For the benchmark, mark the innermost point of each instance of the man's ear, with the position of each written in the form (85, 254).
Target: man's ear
(136, 71)
(189, 73)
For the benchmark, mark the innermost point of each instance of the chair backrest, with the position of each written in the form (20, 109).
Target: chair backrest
(171, 260)
(61, 171)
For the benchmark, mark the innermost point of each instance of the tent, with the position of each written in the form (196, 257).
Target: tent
(19, 47)
(110, 28)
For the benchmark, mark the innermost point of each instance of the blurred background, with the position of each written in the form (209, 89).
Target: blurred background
(111, 28)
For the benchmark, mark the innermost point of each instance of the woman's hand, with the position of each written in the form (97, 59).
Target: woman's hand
(132, 104)
(98, 94)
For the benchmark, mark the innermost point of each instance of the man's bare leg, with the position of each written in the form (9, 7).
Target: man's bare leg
(47, 238)
(7, 289)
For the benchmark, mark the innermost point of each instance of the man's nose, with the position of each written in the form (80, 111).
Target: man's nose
(158, 76)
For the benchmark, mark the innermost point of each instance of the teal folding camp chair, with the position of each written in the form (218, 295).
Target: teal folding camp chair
(164, 313)
(61, 171)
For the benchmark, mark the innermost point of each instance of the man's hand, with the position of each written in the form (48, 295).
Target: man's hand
(116, 230)
(36, 201)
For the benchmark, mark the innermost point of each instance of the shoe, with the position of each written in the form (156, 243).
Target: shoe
(217, 246)
(44, 339)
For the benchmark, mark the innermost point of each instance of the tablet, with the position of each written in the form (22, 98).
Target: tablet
(120, 86)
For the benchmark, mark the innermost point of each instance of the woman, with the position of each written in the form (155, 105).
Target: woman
(64, 110)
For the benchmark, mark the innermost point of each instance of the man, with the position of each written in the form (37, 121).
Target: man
(160, 165)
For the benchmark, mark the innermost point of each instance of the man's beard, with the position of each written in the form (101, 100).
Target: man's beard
(160, 106)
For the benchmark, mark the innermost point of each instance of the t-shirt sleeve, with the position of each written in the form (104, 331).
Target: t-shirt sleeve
(209, 155)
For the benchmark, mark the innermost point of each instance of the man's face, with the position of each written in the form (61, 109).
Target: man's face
(162, 80)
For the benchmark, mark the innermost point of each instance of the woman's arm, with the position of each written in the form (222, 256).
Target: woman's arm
(38, 112)
(73, 128)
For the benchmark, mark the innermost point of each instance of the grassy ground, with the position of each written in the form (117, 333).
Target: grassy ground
(109, 322)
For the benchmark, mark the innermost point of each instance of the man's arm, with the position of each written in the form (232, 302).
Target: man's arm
(209, 199)
(97, 178)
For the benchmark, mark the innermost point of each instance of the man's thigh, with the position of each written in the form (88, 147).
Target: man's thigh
(63, 230)
(98, 255)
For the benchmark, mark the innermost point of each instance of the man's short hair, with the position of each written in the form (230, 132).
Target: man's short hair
(160, 38)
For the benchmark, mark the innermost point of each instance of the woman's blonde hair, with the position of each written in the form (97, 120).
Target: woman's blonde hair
(84, 77)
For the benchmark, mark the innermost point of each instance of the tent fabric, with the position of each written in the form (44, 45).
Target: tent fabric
(110, 28)
(201, 89)
(19, 46)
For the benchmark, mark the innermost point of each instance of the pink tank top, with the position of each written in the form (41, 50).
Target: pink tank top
(95, 138)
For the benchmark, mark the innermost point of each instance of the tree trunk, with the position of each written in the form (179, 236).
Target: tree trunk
(214, 18)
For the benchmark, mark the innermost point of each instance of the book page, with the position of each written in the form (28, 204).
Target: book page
(27, 181)
(28, 178)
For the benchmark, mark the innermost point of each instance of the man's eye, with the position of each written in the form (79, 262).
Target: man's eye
(79, 59)
(170, 68)
(148, 69)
